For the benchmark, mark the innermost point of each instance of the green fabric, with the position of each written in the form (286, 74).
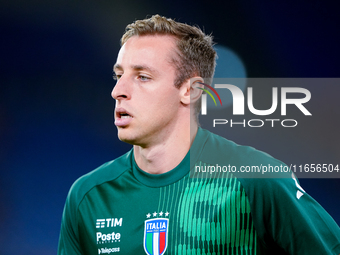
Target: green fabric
(220, 213)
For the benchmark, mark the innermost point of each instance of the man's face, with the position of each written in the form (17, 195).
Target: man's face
(147, 102)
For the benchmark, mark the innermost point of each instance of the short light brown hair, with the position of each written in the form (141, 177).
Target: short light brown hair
(196, 55)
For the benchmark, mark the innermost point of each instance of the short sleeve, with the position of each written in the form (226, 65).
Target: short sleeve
(69, 237)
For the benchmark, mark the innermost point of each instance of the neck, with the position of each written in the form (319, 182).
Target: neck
(166, 155)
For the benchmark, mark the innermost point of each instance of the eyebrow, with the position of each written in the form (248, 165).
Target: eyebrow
(117, 66)
(136, 67)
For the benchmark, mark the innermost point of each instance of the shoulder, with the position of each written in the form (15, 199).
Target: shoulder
(107, 172)
(218, 149)
(254, 168)
(258, 171)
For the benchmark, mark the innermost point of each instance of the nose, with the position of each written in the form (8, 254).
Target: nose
(120, 90)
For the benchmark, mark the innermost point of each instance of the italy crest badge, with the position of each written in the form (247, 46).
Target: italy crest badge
(156, 236)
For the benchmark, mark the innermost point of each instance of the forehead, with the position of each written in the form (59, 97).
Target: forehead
(156, 51)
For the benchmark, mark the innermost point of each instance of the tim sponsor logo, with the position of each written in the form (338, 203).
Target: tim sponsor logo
(110, 237)
(109, 222)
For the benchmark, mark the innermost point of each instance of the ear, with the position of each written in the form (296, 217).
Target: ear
(189, 90)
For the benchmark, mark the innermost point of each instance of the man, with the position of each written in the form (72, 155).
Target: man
(148, 202)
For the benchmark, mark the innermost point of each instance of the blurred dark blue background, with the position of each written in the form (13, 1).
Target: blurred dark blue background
(56, 78)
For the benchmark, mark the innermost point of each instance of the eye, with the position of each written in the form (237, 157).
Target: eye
(143, 78)
(116, 77)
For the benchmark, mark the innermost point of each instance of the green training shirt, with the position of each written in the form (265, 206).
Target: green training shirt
(206, 205)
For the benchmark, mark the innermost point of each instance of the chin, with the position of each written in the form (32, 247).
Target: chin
(132, 139)
(126, 137)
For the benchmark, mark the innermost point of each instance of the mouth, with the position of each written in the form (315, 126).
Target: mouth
(122, 113)
(122, 117)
